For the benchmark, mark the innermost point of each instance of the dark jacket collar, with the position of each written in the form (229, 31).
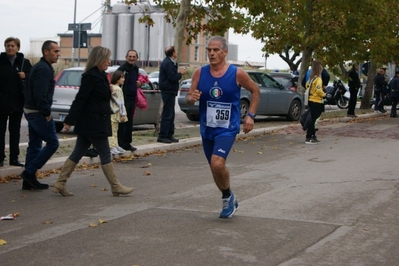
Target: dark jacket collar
(19, 55)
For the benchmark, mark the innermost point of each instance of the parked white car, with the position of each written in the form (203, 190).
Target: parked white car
(67, 85)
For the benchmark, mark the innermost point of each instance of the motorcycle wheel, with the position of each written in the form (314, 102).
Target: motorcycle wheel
(343, 103)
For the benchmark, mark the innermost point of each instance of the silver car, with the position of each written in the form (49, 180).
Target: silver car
(154, 77)
(67, 85)
(275, 99)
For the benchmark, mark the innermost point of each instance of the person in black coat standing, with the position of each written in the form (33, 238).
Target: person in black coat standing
(131, 73)
(14, 68)
(394, 91)
(354, 85)
(380, 84)
(90, 113)
(169, 78)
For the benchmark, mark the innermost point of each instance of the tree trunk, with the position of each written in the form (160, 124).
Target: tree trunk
(181, 22)
(306, 56)
(365, 103)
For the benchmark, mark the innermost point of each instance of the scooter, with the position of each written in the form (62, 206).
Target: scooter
(337, 95)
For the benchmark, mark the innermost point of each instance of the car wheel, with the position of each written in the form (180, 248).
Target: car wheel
(192, 117)
(244, 106)
(294, 113)
(59, 127)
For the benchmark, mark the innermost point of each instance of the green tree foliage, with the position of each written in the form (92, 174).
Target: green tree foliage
(333, 31)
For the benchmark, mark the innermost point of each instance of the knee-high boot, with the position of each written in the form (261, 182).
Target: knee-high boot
(66, 171)
(116, 187)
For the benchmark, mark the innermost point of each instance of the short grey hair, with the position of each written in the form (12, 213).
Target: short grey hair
(220, 39)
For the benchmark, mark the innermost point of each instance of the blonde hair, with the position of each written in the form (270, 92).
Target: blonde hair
(317, 68)
(97, 56)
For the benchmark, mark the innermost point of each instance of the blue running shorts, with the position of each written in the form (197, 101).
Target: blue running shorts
(219, 146)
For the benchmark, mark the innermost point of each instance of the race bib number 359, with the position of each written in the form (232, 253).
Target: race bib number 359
(218, 114)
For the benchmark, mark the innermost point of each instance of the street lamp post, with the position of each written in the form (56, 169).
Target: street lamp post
(73, 36)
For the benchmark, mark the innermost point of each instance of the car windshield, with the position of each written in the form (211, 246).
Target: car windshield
(268, 81)
(70, 78)
(282, 81)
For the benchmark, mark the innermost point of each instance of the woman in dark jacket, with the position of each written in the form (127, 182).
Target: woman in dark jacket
(13, 71)
(90, 113)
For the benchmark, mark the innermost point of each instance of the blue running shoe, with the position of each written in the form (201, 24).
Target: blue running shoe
(230, 205)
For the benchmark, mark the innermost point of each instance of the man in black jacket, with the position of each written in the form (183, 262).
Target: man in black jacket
(39, 93)
(131, 72)
(13, 72)
(354, 85)
(169, 78)
(380, 84)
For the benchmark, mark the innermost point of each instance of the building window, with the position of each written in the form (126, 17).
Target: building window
(196, 53)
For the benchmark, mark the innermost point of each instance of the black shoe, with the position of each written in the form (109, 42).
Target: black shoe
(162, 140)
(132, 149)
(383, 111)
(16, 163)
(1, 163)
(26, 186)
(173, 139)
(91, 152)
(129, 148)
(32, 181)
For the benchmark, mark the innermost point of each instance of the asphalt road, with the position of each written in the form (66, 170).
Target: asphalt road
(335, 203)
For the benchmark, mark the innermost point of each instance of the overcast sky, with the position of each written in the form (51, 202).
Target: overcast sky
(47, 18)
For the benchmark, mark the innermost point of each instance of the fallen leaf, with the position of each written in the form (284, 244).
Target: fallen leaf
(2, 242)
(93, 185)
(146, 166)
(102, 221)
(92, 225)
(147, 173)
(259, 152)
(48, 222)
(16, 214)
(104, 189)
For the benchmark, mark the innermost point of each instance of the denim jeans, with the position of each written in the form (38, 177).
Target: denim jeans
(40, 130)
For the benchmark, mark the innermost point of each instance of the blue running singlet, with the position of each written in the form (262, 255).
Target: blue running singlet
(219, 103)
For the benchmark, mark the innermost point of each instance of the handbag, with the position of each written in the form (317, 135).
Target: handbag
(306, 119)
(141, 100)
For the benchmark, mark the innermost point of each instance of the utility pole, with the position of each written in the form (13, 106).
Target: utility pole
(73, 36)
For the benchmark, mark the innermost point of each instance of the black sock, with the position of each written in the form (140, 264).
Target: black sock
(226, 193)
